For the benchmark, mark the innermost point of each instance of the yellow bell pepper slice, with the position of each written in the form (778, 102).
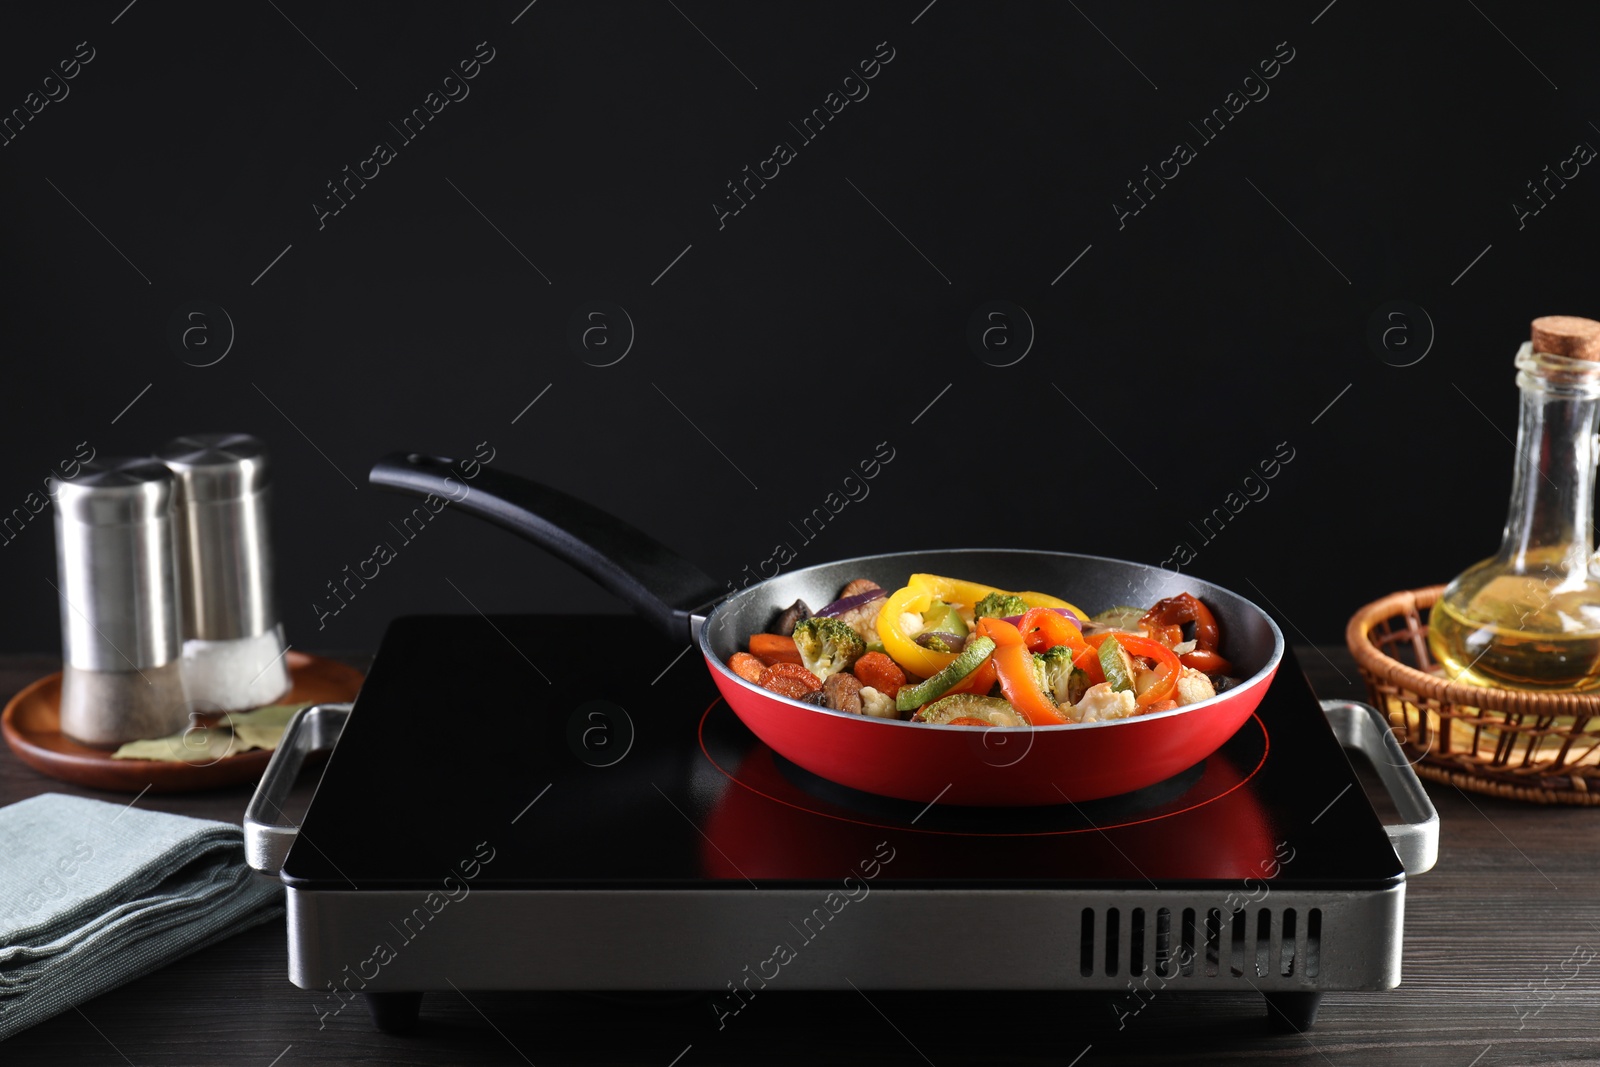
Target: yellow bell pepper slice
(922, 662)
(918, 595)
(967, 594)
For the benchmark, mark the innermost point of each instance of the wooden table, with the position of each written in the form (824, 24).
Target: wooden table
(1502, 966)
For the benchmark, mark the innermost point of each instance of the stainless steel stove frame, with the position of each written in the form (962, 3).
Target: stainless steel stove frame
(1289, 944)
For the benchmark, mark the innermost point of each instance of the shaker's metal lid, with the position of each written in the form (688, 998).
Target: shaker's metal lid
(115, 491)
(217, 466)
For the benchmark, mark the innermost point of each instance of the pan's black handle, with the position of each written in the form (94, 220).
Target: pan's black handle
(655, 581)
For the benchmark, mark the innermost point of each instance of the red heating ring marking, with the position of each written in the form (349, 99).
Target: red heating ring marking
(1266, 747)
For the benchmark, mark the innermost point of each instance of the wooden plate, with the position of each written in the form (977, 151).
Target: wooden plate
(31, 725)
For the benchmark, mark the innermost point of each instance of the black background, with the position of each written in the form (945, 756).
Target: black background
(793, 340)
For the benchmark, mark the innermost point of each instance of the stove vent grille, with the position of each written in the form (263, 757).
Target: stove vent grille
(1201, 941)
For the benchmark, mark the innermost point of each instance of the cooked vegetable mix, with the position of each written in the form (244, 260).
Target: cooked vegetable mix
(955, 653)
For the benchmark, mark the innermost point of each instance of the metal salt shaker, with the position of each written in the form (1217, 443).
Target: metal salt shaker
(121, 679)
(233, 651)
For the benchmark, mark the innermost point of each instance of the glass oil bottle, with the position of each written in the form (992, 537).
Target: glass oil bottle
(1529, 617)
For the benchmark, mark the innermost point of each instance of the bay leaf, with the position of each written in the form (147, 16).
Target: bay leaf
(263, 727)
(237, 731)
(199, 745)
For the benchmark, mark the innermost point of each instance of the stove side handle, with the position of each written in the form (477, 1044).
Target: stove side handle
(652, 579)
(266, 837)
(1363, 727)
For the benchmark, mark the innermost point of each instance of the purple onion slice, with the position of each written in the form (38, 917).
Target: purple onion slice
(850, 603)
(952, 642)
(1065, 613)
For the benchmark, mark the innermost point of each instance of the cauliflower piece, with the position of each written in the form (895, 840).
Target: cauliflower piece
(1193, 687)
(1184, 648)
(910, 623)
(878, 705)
(1102, 703)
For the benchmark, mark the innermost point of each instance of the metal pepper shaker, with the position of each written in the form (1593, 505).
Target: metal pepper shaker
(233, 649)
(121, 679)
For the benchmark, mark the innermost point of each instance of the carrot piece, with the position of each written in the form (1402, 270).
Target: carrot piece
(969, 720)
(746, 666)
(1161, 705)
(774, 648)
(882, 673)
(790, 680)
(784, 687)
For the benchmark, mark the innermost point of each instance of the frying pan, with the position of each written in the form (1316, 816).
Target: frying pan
(950, 764)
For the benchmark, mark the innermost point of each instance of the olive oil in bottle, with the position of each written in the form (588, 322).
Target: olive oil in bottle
(1529, 617)
(1514, 633)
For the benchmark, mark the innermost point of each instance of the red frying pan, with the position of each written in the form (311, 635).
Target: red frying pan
(952, 764)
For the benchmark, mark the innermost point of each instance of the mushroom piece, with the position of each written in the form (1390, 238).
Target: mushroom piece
(857, 586)
(843, 692)
(1224, 682)
(789, 617)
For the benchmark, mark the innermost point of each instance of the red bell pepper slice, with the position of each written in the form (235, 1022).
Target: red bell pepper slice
(1186, 607)
(1206, 662)
(1020, 686)
(979, 681)
(999, 631)
(1018, 682)
(1088, 661)
(1043, 629)
(1167, 667)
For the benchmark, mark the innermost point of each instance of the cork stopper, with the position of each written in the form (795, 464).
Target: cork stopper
(1567, 335)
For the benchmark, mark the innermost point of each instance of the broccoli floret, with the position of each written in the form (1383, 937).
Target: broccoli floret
(999, 606)
(1055, 672)
(827, 646)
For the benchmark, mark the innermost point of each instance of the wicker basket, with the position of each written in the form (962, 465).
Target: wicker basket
(1540, 747)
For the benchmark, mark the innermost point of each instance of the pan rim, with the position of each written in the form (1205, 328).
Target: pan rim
(1261, 677)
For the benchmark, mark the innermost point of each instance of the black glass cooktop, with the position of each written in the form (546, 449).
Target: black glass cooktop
(584, 751)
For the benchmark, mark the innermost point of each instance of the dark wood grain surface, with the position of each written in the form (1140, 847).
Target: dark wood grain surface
(1502, 966)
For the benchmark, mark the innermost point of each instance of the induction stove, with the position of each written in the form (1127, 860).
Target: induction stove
(564, 802)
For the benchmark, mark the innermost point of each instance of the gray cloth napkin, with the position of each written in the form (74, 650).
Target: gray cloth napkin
(93, 895)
